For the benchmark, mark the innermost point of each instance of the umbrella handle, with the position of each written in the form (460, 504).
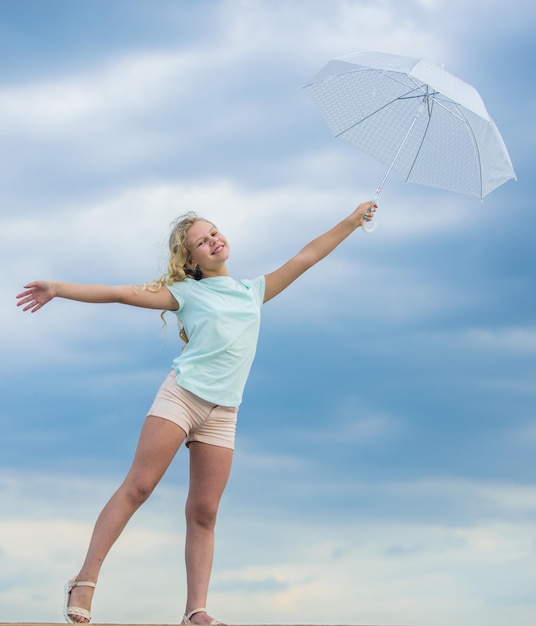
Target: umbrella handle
(369, 227)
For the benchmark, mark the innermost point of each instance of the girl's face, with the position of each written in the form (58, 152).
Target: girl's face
(208, 249)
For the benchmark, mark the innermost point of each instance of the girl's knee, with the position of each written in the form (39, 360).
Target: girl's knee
(138, 491)
(202, 513)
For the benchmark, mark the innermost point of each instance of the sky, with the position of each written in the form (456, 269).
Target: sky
(385, 469)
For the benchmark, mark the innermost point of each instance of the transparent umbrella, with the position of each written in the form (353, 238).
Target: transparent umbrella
(418, 119)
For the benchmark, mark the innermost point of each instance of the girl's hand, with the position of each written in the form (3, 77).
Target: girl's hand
(365, 212)
(36, 295)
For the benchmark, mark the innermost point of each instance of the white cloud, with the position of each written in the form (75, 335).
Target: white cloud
(329, 29)
(132, 109)
(353, 423)
(333, 571)
(123, 87)
(521, 340)
(498, 500)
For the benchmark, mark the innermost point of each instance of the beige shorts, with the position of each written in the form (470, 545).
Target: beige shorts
(200, 420)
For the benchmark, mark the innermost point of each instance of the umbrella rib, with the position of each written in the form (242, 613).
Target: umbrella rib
(387, 104)
(422, 140)
(475, 144)
(433, 96)
(459, 115)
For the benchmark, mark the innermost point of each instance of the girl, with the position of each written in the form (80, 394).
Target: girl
(198, 401)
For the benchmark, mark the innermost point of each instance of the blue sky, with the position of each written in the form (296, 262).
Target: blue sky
(385, 468)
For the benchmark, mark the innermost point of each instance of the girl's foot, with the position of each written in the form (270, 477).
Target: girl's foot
(78, 596)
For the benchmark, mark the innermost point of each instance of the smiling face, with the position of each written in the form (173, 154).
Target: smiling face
(208, 249)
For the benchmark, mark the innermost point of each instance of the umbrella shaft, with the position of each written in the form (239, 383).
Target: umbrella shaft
(417, 114)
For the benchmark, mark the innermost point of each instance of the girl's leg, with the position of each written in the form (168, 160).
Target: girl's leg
(209, 470)
(159, 441)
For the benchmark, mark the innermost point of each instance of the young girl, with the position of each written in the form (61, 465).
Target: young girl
(198, 401)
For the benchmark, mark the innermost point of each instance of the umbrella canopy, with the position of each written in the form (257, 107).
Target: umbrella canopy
(420, 120)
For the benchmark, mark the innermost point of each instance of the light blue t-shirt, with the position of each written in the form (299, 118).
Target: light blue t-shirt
(221, 317)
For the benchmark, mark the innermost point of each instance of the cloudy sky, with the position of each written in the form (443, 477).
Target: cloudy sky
(385, 468)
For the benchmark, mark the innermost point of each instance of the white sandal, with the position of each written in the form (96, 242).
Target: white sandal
(187, 618)
(75, 610)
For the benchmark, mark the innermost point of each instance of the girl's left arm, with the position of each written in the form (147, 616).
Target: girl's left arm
(315, 251)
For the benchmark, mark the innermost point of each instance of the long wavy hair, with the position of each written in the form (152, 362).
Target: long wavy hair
(179, 265)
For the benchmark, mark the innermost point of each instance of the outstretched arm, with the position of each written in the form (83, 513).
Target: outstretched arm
(39, 292)
(315, 251)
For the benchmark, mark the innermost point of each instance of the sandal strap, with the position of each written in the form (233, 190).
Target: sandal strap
(78, 611)
(188, 616)
(81, 583)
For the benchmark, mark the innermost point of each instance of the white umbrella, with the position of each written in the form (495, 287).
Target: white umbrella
(420, 120)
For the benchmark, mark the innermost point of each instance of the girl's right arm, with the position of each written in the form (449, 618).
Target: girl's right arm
(39, 292)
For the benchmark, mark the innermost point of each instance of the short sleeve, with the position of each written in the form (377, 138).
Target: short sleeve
(179, 290)
(258, 285)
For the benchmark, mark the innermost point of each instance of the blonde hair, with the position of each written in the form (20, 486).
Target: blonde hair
(179, 265)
